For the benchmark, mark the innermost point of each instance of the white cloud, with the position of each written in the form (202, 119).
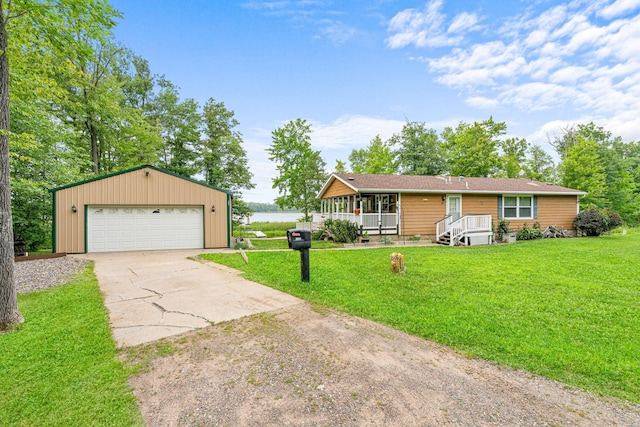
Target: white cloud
(336, 31)
(482, 103)
(464, 22)
(618, 8)
(352, 132)
(579, 56)
(420, 28)
(570, 74)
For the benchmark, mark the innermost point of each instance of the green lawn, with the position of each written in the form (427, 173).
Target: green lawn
(568, 309)
(271, 229)
(60, 368)
(263, 244)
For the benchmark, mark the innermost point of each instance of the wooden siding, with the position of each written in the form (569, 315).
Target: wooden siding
(552, 210)
(338, 188)
(137, 189)
(420, 212)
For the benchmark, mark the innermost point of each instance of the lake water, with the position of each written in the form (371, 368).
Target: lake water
(275, 217)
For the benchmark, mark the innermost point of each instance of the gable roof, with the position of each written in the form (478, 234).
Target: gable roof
(367, 183)
(98, 178)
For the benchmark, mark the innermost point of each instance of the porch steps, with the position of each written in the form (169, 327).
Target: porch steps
(445, 239)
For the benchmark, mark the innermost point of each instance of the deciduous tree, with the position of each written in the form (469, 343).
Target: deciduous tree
(223, 159)
(472, 148)
(300, 168)
(377, 158)
(420, 150)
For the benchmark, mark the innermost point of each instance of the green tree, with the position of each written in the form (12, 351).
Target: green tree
(179, 123)
(420, 150)
(377, 158)
(223, 159)
(514, 151)
(60, 22)
(300, 168)
(112, 133)
(473, 148)
(582, 170)
(341, 167)
(539, 165)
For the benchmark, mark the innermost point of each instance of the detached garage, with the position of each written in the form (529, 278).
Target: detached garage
(144, 208)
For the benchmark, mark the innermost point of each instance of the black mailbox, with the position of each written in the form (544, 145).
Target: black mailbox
(299, 239)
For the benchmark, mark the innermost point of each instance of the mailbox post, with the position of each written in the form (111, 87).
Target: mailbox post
(300, 240)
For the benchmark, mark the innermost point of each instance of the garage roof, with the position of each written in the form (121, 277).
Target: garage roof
(97, 178)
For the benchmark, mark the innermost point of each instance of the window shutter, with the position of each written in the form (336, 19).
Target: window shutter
(535, 206)
(499, 207)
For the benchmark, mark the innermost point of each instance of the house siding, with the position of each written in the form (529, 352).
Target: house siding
(338, 188)
(421, 211)
(136, 189)
(559, 211)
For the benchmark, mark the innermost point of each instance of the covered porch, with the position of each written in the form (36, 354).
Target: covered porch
(376, 214)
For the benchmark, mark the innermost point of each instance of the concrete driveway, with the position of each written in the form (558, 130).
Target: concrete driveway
(156, 294)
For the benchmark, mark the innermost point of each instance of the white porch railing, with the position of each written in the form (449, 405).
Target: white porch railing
(374, 223)
(462, 227)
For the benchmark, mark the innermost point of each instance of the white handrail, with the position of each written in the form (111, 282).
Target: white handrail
(462, 226)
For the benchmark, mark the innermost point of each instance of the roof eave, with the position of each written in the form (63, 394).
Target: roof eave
(431, 191)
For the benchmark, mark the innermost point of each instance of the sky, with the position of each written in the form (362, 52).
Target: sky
(360, 68)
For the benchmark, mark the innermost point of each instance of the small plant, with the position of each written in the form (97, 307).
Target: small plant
(415, 238)
(503, 229)
(239, 246)
(386, 240)
(529, 233)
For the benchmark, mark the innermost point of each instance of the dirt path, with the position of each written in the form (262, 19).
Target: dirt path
(310, 366)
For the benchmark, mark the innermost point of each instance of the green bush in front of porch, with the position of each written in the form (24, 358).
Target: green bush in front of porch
(563, 308)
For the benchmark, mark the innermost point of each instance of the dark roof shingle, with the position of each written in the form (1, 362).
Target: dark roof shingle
(448, 184)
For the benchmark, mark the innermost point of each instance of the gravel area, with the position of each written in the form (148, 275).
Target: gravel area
(310, 366)
(44, 273)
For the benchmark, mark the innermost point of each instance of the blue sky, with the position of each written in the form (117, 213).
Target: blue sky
(355, 69)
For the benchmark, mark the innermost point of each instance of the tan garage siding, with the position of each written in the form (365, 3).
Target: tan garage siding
(135, 188)
(420, 212)
(338, 188)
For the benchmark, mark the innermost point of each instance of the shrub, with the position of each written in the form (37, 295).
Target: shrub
(612, 218)
(590, 222)
(343, 231)
(529, 233)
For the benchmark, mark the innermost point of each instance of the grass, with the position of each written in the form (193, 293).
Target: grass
(60, 368)
(271, 244)
(563, 308)
(271, 229)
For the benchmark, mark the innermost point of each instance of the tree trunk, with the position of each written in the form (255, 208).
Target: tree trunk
(94, 146)
(9, 313)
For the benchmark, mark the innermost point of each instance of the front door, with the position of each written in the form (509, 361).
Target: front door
(454, 206)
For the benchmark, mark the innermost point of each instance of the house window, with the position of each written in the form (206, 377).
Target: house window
(517, 207)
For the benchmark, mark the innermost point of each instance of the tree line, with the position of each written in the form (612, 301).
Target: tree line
(591, 159)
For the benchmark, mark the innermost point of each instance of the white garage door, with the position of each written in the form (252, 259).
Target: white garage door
(131, 228)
